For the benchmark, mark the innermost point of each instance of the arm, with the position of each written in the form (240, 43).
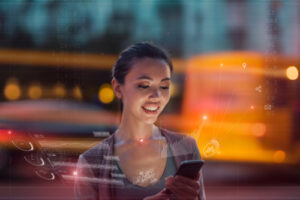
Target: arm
(84, 188)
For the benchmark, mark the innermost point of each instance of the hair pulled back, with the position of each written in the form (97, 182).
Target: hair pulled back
(134, 52)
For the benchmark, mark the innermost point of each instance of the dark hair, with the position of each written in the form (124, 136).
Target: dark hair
(134, 52)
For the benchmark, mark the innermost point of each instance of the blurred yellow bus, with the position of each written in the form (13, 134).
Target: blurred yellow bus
(242, 106)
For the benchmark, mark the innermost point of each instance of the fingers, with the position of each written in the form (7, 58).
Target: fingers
(190, 182)
(182, 190)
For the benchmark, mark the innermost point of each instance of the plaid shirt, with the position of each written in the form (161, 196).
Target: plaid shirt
(94, 178)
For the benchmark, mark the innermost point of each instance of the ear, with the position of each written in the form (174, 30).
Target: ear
(117, 88)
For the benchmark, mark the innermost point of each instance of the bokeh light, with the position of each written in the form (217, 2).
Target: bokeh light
(279, 156)
(34, 91)
(292, 73)
(106, 93)
(259, 129)
(77, 92)
(12, 90)
(59, 90)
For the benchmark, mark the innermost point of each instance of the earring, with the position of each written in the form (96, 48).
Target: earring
(119, 95)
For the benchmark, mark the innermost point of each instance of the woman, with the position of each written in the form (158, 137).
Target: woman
(139, 160)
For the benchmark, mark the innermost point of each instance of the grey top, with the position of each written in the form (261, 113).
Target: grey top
(95, 166)
(132, 191)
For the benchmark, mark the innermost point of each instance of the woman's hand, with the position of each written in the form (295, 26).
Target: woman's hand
(162, 195)
(184, 188)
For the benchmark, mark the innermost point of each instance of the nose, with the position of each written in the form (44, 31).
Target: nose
(155, 93)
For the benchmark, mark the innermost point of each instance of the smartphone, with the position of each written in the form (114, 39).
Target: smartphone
(189, 169)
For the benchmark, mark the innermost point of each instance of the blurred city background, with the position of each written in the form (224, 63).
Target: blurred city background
(235, 89)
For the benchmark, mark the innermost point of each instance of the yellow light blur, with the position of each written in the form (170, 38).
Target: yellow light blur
(34, 91)
(292, 73)
(106, 93)
(279, 156)
(173, 90)
(77, 92)
(12, 89)
(59, 90)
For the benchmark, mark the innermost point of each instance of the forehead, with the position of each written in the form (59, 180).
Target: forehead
(153, 68)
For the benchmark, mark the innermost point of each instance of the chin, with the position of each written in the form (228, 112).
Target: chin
(150, 120)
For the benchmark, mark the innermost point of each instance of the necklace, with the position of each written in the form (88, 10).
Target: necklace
(158, 141)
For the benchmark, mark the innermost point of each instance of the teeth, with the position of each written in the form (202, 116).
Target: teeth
(151, 108)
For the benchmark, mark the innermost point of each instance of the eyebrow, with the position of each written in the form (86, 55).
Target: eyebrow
(148, 78)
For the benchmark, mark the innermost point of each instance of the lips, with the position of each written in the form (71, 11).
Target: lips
(151, 108)
(150, 111)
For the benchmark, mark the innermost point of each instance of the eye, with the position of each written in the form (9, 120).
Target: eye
(143, 86)
(165, 88)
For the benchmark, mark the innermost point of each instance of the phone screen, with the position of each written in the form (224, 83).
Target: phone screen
(190, 168)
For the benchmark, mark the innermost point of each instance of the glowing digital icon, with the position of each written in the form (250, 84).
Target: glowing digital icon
(34, 159)
(146, 175)
(258, 88)
(112, 158)
(44, 174)
(268, 107)
(23, 145)
(118, 175)
(211, 148)
(244, 65)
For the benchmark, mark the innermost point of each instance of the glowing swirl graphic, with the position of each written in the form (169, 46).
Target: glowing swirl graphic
(211, 148)
(45, 175)
(23, 145)
(34, 160)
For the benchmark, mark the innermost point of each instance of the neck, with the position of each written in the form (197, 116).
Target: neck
(134, 130)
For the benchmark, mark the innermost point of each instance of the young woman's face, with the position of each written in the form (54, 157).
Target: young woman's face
(146, 90)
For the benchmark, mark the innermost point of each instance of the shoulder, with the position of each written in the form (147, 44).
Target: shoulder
(174, 136)
(97, 152)
(179, 141)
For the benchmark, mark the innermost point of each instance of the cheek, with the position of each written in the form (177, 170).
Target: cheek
(136, 96)
(166, 96)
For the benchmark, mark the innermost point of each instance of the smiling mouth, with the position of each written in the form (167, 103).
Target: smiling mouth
(150, 110)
